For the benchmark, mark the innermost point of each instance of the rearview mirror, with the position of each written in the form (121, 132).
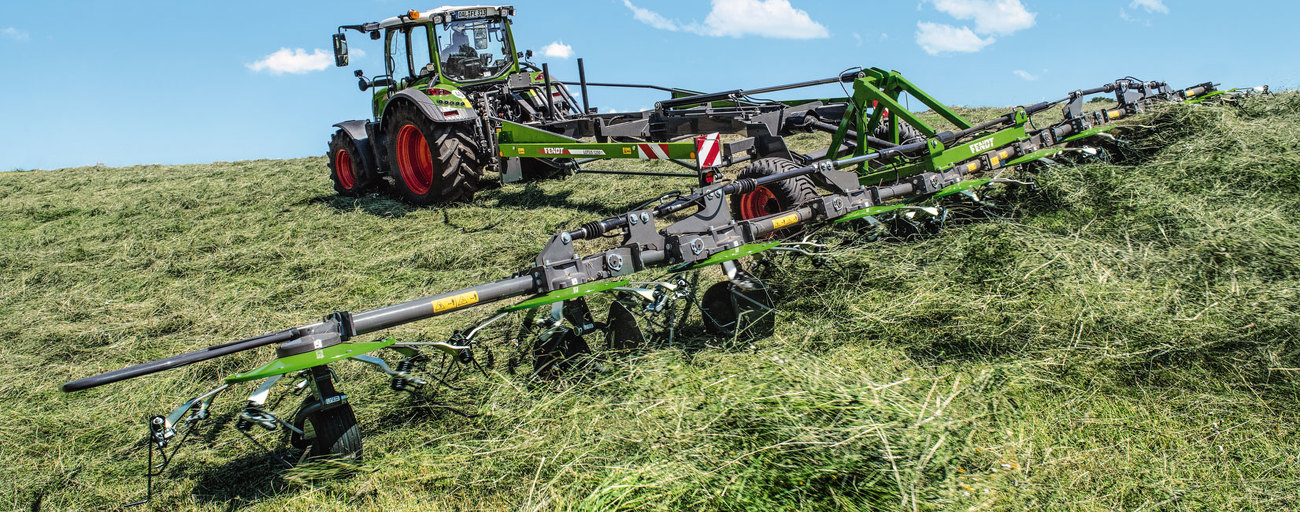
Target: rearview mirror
(340, 50)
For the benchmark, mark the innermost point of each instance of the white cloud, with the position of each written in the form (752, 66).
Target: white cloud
(936, 38)
(15, 34)
(558, 50)
(1150, 6)
(999, 17)
(356, 53)
(651, 18)
(1025, 75)
(295, 61)
(767, 18)
(738, 18)
(991, 18)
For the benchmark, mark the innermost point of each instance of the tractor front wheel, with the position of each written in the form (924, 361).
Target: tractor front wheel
(347, 169)
(433, 163)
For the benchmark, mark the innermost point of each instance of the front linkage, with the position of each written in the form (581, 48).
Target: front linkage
(879, 178)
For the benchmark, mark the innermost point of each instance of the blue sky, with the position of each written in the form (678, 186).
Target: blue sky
(141, 82)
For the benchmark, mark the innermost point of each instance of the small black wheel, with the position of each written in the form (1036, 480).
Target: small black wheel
(775, 197)
(623, 333)
(329, 434)
(558, 353)
(907, 134)
(535, 169)
(432, 163)
(731, 311)
(347, 167)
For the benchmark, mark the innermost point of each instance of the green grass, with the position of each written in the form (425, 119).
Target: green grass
(1122, 337)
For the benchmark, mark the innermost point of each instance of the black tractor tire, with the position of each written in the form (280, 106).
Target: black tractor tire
(907, 134)
(774, 197)
(534, 169)
(432, 163)
(347, 167)
(330, 434)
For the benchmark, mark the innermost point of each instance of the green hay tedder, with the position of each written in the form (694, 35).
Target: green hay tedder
(455, 101)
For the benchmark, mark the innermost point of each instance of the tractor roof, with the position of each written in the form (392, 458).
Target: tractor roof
(448, 13)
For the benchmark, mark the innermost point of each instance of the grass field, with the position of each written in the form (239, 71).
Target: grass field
(1123, 338)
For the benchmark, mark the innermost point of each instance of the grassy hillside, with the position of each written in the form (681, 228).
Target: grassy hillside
(1123, 337)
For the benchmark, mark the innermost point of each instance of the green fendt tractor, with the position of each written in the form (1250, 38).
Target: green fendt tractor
(447, 73)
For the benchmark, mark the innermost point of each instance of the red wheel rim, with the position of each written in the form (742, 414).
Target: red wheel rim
(343, 169)
(759, 203)
(414, 160)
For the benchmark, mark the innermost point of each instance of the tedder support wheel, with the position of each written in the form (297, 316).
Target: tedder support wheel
(433, 163)
(733, 311)
(775, 197)
(330, 434)
(347, 169)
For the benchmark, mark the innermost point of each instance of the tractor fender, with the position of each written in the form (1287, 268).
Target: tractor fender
(356, 129)
(435, 113)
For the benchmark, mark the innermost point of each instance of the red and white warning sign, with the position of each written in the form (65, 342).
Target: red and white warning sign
(708, 151)
(652, 151)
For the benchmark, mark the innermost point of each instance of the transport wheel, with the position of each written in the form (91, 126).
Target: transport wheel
(907, 134)
(329, 434)
(731, 311)
(347, 169)
(535, 169)
(772, 198)
(433, 163)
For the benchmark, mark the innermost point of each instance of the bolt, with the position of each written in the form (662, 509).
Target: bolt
(645, 218)
(697, 246)
(631, 219)
(565, 238)
(838, 204)
(615, 262)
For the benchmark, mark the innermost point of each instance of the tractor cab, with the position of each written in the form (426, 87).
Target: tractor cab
(451, 46)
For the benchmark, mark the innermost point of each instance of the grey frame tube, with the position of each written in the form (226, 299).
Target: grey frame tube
(434, 305)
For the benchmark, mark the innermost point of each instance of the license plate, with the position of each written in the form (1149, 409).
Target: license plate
(471, 13)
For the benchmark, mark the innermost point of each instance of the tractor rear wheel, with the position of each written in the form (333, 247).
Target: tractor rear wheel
(432, 163)
(347, 169)
(771, 198)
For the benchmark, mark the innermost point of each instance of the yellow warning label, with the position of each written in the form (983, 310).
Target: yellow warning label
(972, 167)
(455, 302)
(1114, 113)
(627, 150)
(784, 221)
(993, 161)
(521, 151)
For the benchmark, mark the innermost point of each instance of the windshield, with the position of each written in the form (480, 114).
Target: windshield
(473, 50)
